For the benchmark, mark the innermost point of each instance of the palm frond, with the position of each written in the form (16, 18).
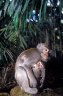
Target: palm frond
(11, 8)
(42, 11)
(25, 6)
(6, 6)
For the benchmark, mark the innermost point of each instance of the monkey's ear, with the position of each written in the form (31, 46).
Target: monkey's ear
(39, 46)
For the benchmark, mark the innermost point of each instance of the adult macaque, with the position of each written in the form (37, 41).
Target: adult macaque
(29, 67)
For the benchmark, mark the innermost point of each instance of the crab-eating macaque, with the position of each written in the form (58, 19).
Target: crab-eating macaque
(28, 67)
(39, 72)
(37, 69)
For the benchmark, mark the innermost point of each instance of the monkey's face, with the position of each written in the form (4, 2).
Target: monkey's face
(37, 69)
(38, 66)
(45, 54)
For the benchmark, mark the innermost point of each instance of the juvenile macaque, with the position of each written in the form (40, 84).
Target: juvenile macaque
(39, 73)
(29, 67)
(37, 69)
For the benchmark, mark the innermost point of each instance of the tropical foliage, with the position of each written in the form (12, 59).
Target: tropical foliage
(23, 24)
(17, 34)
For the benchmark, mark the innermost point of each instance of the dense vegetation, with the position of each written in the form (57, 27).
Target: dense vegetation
(18, 29)
(24, 23)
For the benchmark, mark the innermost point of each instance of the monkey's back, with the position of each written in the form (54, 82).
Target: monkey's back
(28, 57)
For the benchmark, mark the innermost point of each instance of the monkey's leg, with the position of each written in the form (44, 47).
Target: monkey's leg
(22, 80)
(31, 76)
(42, 76)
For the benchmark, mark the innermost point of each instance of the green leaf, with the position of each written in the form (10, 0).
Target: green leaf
(25, 6)
(11, 8)
(6, 6)
(16, 21)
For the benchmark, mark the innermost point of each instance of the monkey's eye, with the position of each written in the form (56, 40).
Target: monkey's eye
(47, 50)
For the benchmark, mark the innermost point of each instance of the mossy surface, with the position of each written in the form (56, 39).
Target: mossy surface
(16, 91)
